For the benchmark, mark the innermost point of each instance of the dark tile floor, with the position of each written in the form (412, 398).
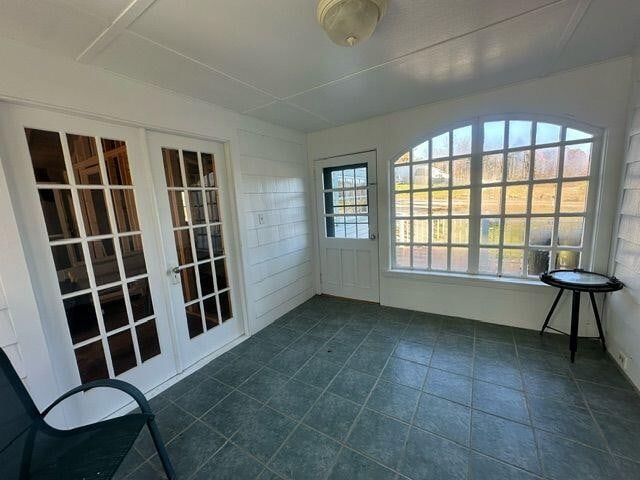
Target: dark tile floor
(345, 390)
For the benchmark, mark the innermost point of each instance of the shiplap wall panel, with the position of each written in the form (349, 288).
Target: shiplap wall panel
(275, 189)
(8, 339)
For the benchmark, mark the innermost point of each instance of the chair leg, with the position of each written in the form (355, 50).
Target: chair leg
(162, 450)
(597, 315)
(575, 321)
(553, 307)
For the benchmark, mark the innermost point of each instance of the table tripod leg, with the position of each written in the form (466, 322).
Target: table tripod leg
(597, 315)
(553, 307)
(575, 320)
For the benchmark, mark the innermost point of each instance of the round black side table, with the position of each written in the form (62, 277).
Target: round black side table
(578, 281)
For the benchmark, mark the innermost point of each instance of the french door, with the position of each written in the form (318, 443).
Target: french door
(192, 192)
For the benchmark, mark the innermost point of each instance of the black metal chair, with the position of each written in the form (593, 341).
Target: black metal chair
(30, 449)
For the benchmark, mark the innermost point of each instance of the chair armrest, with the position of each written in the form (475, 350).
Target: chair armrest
(125, 387)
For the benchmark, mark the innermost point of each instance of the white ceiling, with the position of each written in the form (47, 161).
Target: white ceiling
(271, 60)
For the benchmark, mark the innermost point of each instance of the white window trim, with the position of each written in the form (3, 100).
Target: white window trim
(592, 208)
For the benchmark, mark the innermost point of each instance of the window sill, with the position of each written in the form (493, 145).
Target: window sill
(520, 284)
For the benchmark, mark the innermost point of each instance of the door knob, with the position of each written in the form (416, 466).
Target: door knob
(372, 236)
(174, 273)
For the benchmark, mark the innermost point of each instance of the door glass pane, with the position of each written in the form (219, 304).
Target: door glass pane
(59, 213)
(197, 208)
(194, 320)
(201, 240)
(221, 274)
(123, 355)
(104, 261)
(116, 162)
(191, 169)
(183, 246)
(178, 207)
(189, 288)
(226, 311)
(211, 318)
(212, 205)
(46, 156)
(140, 298)
(81, 318)
(206, 278)
(70, 267)
(114, 309)
(208, 170)
(133, 255)
(124, 209)
(148, 342)
(84, 159)
(93, 206)
(171, 161)
(91, 362)
(217, 242)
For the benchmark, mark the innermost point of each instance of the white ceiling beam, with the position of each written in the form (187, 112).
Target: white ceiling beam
(122, 21)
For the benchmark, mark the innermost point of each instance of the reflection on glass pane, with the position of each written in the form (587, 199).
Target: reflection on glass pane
(114, 310)
(124, 208)
(350, 230)
(403, 231)
(516, 198)
(547, 133)
(189, 287)
(574, 197)
(488, 261)
(46, 156)
(491, 200)
(212, 205)
(59, 214)
(117, 162)
(567, 259)
(339, 229)
(362, 196)
(361, 177)
(421, 257)
(541, 231)
(519, 133)
(439, 231)
(103, 259)
(221, 274)
(440, 203)
(201, 240)
(570, 231)
(178, 207)
(459, 259)
(461, 172)
(460, 231)
(420, 176)
(439, 258)
(209, 170)
(226, 311)
(402, 180)
(183, 246)
(211, 313)
(576, 160)
(421, 152)
(462, 141)
(206, 278)
(546, 163)
(84, 159)
(171, 161)
(216, 240)
(194, 320)
(349, 197)
(335, 198)
(336, 178)
(439, 174)
(148, 342)
(94, 212)
(514, 231)
(133, 255)
(70, 268)
(91, 362)
(420, 204)
(538, 262)
(196, 202)
(440, 146)
(543, 199)
(512, 262)
(492, 168)
(123, 355)
(402, 204)
(140, 298)
(81, 318)
(348, 176)
(518, 164)
(573, 134)
(493, 136)
(460, 201)
(403, 256)
(490, 231)
(191, 169)
(363, 230)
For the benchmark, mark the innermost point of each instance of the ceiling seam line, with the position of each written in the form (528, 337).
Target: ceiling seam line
(574, 22)
(424, 49)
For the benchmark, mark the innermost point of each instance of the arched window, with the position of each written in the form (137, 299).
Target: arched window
(505, 196)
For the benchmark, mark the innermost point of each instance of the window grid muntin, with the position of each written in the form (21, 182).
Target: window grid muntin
(327, 215)
(476, 185)
(83, 239)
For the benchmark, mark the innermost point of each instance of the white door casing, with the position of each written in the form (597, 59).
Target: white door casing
(346, 202)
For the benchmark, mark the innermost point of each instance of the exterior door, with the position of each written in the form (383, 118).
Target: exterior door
(85, 210)
(192, 192)
(348, 226)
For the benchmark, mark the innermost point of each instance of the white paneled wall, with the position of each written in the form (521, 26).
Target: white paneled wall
(623, 308)
(8, 339)
(277, 216)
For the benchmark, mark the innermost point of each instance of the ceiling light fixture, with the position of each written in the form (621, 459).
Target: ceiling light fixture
(349, 22)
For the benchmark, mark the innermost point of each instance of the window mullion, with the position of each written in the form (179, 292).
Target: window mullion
(476, 183)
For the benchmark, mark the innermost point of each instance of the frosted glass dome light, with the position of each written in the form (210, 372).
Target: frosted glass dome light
(349, 22)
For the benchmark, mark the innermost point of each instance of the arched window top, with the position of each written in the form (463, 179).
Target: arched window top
(506, 196)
